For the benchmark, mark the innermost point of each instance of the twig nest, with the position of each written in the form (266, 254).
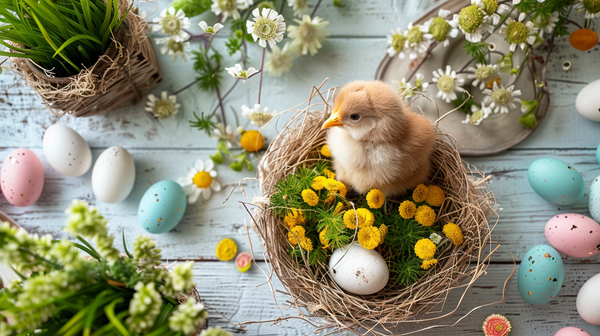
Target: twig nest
(583, 39)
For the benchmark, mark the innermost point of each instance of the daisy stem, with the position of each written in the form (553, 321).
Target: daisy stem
(225, 96)
(427, 53)
(312, 15)
(574, 23)
(221, 106)
(282, 7)
(186, 87)
(262, 65)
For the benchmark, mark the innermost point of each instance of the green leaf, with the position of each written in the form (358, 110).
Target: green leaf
(249, 165)
(223, 147)
(203, 123)
(528, 120)
(76, 38)
(217, 158)
(237, 166)
(337, 3)
(477, 50)
(192, 8)
(528, 105)
(125, 245)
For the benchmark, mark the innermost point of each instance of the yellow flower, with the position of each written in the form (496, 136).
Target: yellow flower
(329, 174)
(425, 215)
(427, 264)
(226, 249)
(453, 232)
(420, 193)
(324, 241)
(369, 237)
(300, 233)
(339, 207)
(310, 197)
(384, 230)
(365, 218)
(306, 244)
(331, 185)
(435, 196)
(342, 190)
(317, 182)
(325, 151)
(407, 209)
(425, 249)
(375, 199)
(330, 198)
(293, 218)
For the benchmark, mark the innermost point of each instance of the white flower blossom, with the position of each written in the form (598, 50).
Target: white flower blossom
(396, 43)
(144, 307)
(279, 61)
(591, 8)
(200, 179)
(473, 22)
(476, 116)
(448, 83)
(226, 134)
(164, 107)
(299, 6)
(546, 23)
(257, 115)
(440, 29)
(308, 34)
(519, 33)
(188, 316)
(173, 48)
(212, 30)
(416, 41)
(228, 8)
(239, 73)
(483, 74)
(180, 280)
(173, 23)
(501, 99)
(268, 26)
(492, 9)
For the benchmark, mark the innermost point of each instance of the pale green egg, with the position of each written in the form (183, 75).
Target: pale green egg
(556, 181)
(541, 275)
(162, 207)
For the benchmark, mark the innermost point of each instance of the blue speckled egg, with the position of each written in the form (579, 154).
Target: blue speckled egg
(162, 207)
(541, 275)
(556, 181)
(594, 202)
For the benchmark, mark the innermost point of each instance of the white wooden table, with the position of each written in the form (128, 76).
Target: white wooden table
(162, 150)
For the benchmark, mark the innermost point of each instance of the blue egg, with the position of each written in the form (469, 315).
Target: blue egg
(556, 181)
(541, 275)
(162, 207)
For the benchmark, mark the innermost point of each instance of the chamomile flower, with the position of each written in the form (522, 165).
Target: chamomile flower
(298, 5)
(173, 23)
(545, 23)
(228, 8)
(308, 34)
(492, 9)
(501, 99)
(212, 30)
(519, 33)
(407, 90)
(483, 74)
(440, 29)
(257, 115)
(416, 41)
(266, 26)
(200, 179)
(173, 48)
(473, 22)
(396, 43)
(476, 116)
(448, 83)
(239, 73)
(279, 61)
(227, 134)
(164, 107)
(591, 7)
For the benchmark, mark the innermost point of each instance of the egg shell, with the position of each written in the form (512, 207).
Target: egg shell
(588, 101)
(22, 178)
(588, 300)
(571, 331)
(162, 207)
(541, 275)
(113, 175)
(594, 200)
(359, 271)
(573, 234)
(556, 181)
(66, 151)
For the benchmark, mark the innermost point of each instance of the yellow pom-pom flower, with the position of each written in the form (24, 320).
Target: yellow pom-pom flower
(306, 244)
(317, 182)
(331, 185)
(338, 208)
(342, 190)
(293, 218)
(297, 233)
(325, 151)
(310, 197)
(324, 241)
(330, 198)
(420, 193)
(454, 233)
(369, 237)
(384, 230)
(329, 174)
(425, 215)
(226, 249)
(375, 199)
(365, 218)
(407, 209)
(425, 249)
(435, 196)
(427, 264)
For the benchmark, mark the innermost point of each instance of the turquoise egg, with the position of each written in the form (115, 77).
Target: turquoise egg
(556, 181)
(162, 207)
(594, 200)
(541, 275)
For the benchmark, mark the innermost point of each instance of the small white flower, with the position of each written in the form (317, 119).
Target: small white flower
(173, 48)
(407, 90)
(212, 30)
(492, 9)
(519, 33)
(500, 99)
(268, 26)
(591, 8)
(226, 134)
(299, 6)
(396, 43)
(416, 41)
(228, 8)
(257, 116)
(164, 107)
(239, 73)
(473, 22)
(279, 61)
(545, 23)
(308, 34)
(188, 316)
(476, 116)
(173, 23)
(440, 29)
(448, 83)
(200, 180)
(483, 74)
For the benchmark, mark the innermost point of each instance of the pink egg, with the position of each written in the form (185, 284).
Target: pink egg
(22, 177)
(574, 235)
(571, 331)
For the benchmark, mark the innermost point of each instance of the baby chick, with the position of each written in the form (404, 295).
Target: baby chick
(377, 141)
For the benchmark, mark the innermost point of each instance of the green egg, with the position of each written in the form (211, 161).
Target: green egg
(556, 181)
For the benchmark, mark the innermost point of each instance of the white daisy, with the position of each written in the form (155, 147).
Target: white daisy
(396, 43)
(239, 73)
(519, 33)
(591, 7)
(492, 9)
(173, 48)
(546, 23)
(448, 83)
(257, 116)
(299, 6)
(308, 34)
(407, 90)
(201, 179)
(500, 99)
(483, 74)
(279, 61)
(476, 116)
(173, 23)
(212, 30)
(416, 41)
(164, 107)
(473, 22)
(228, 8)
(268, 27)
(226, 134)
(440, 29)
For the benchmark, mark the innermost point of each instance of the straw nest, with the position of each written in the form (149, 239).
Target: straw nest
(469, 204)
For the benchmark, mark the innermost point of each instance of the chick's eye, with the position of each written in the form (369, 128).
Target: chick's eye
(354, 116)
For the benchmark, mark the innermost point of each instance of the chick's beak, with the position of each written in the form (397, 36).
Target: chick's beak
(334, 120)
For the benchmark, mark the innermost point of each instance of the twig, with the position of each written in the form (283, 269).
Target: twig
(282, 7)
(262, 65)
(573, 23)
(427, 53)
(312, 15)
(186, 87)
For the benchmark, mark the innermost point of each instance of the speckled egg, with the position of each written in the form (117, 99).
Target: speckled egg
(358, 270)
(66, 151)
(574, 235)
(541, 275)
(113, 175)
(162, 207)
(556, 181)
(588, 301)
(571, 331)
(594, 200)
(22, 177)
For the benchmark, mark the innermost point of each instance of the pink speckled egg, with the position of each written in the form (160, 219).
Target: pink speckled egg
(574, 235)
(22, 178)
(571, 331)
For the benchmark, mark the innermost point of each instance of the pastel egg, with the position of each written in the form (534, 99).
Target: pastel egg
(113, 175)
(162, 207)
(573, 234)
(358, 270)
(588, 301)
(556, 181)
(571, 331)
(594, 200)
(22, 178)
(66, 151)
(587, 102)
(541, 275)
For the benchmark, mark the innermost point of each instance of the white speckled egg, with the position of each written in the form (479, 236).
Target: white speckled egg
(113, 175)
(587, 102)
(588, 301)
(66, 151)
(359, 271)
(594, 200)
(574, 235)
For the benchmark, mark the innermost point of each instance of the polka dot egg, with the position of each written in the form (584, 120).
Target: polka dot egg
(22, 177)
(162, 207)
(594, 201)
(541, 275)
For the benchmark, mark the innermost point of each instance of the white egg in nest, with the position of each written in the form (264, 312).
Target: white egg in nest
(358, 270)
